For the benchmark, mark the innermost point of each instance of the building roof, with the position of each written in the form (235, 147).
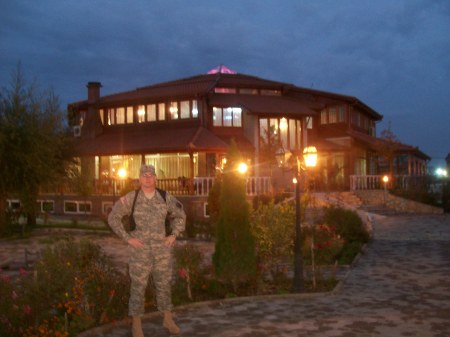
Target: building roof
(202, 85)
(145, 140)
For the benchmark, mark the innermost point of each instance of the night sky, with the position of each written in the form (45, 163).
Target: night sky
(394, 55)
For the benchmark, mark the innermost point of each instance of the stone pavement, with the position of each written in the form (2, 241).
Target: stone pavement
(400, 286)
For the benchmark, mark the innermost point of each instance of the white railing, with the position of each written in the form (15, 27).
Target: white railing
(375, 182)
(255, 185)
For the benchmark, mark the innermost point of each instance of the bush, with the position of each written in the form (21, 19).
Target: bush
(347, 224)
(73, 288)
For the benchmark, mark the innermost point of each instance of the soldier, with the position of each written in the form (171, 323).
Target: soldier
(150, 249)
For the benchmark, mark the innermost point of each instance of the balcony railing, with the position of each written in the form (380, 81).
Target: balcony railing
(375, 182)
(199, 186)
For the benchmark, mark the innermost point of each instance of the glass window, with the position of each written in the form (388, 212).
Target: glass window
(184, 109)
(129, 114)
(341, 116)
(292, 133)
(120, 116)
(173, 110)
(267, 92)
(225, 90)
(102, 117)
(217, 116)
(151, 112)
(161, 111)
(323, 117)
(248, 91)
(70, 207)
(111, 119)
(141, 113)
(274, 125)
(228, 117)
(332, 116)
(237, 117)
(194, 109)
(263, 129)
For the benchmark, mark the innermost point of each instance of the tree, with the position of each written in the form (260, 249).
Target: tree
(387, 148)
(234, 258)
(34, 143)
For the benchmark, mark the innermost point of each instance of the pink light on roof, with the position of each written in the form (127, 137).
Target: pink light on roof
(221, 69)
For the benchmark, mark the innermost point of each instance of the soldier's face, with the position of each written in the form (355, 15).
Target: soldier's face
(147, 180)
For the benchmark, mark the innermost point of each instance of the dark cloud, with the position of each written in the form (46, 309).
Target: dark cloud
(392, 55)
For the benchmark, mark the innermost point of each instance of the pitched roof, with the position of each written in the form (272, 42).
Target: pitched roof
(145, 140)
(204, 84)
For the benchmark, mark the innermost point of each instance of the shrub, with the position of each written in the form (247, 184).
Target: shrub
(73, 287)
(347, 224)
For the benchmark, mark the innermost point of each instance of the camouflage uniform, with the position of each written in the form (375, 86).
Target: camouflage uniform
(155, 257)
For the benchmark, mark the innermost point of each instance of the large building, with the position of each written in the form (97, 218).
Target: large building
(184, 127)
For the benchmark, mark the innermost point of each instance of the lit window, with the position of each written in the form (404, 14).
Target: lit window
(194, 109)
(120, 116)
(217, 116)
(237, 117)
(173, 109)
(151, 112)
(129, 114)
(141, 113)
(184, 109)
(161, 111)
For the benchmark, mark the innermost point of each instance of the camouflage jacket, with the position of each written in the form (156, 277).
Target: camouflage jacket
(149, 215)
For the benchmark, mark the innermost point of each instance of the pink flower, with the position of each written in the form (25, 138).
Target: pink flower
(23, 272)
(182, 273)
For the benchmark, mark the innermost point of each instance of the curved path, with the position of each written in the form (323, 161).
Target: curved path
(399, 287)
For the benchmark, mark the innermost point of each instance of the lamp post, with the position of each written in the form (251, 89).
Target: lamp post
(385, 181)
(309, 160)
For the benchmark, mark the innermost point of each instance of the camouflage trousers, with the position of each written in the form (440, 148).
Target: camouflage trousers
(157, 260)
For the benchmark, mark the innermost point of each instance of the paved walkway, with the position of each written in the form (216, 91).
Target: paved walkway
(399, 287)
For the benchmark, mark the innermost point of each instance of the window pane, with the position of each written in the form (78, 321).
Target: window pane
(332, 115)
(323, 117)
(292, 133)
(151, 112)
(173, 110)
(227, 117)
(185, 109)
(194, 109)
(129, 114)
(70, 207)
(284, 132)
(217, 116)
(161, 111)
(102, 117)
(141, 113)
(263, 129)
(237, 117)
(120, 116)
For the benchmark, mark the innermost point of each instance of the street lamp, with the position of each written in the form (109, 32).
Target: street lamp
(310, 160)
(385, 181)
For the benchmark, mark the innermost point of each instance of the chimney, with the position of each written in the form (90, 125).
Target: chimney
(93, 91)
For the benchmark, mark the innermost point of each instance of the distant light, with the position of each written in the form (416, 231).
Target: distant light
(242, 168)
(294, 180)
(122, 173)
(310, 156)
(442, 173)
(385, 179)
